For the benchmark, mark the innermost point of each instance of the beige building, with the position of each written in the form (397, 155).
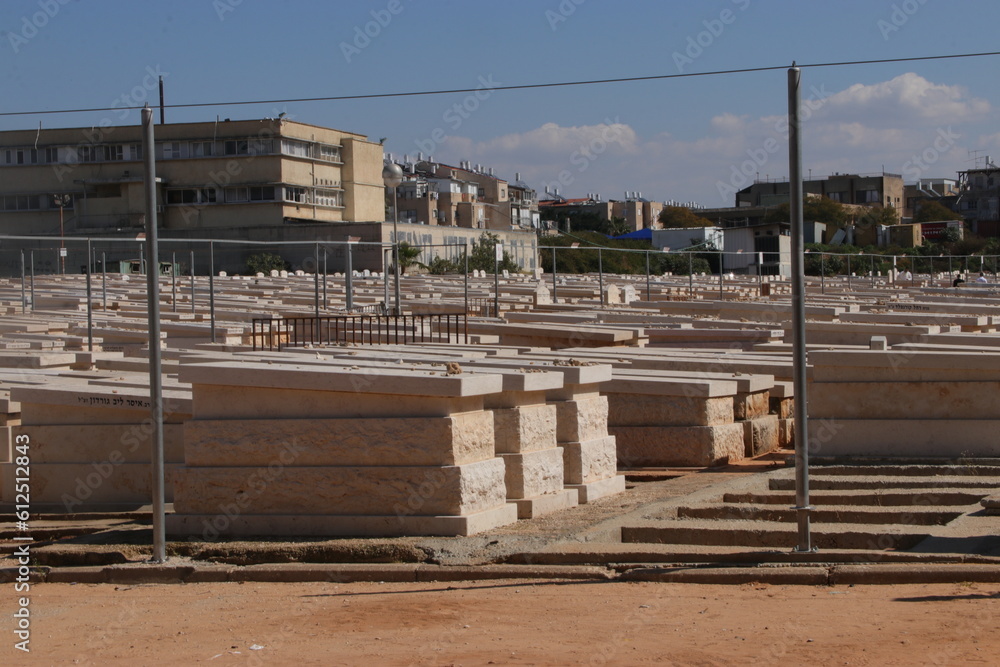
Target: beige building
(637, 212)
(215, 175)
(866, 190)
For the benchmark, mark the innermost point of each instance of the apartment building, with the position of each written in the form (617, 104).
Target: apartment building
(215, 175)
(859, 189)
(638, 212)
(464, 196)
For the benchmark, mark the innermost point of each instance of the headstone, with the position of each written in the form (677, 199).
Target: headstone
(283, 274)
(612, 295)
(300, 272)
(629, 294)
(542, 296)
(261, 275)
(274, 273)
(366, 273)
(223, 274)
(506, 273)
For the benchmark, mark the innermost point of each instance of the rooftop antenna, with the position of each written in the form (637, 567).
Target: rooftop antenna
(163, 119)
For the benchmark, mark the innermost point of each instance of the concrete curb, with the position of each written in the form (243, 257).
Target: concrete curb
(807, 575)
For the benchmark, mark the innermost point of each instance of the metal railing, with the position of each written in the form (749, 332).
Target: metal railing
(273, 333)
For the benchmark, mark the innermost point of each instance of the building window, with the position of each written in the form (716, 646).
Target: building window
(253, 193)
(87, 153)
(297, 195)
(188, 196)
(135, 152)
(52, 155)
(23, 203)
(235, 147)
(868, 197)
(172, 150)
(202, 149)
(331, 198)
(294, 148)
(114, 152)
(329, 153)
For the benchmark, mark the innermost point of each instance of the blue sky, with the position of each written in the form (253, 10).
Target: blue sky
(692, 139)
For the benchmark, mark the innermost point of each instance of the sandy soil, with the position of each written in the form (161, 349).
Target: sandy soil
(520, 623)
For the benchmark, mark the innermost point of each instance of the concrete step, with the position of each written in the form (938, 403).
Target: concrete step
(772, 534)
(864, 497)
(923, 516)
(905, 470)
(834, 483)
(588, 553)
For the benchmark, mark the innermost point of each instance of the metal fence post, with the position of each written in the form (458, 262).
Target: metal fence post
(690, 274)
(600, 274)
(349, 277)
(31, 254)
(192, 283)
(555, 297)
(24, 295)
(90, 299)
(211, 287)
(173, 282)
(104, 281)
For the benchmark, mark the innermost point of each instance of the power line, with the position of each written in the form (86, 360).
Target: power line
(527, 86)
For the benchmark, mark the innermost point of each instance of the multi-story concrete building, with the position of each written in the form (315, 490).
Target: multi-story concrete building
(861, 189)
(465, 196)
(216, 175)
(638, 213)
(978, 200)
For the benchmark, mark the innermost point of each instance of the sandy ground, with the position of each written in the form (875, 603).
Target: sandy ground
(508, 622)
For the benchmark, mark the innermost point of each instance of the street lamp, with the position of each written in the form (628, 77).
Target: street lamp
(392, 176)
(62, 201)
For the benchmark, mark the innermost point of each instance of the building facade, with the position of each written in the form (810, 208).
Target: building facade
(215, 175)
(883, 189)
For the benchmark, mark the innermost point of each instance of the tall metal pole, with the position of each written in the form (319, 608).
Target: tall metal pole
(395, 248)
(873, 269)
(192, 282)
(90, 298)
(326, 298)
(155, 363)
(722, 279)
(849, 272)
(173, 282)
(316, 282)
(822, 273)
(555, 296)
(649, 296)
(385, 277)
(600, 274)
(104, 281)
(349, 276)
(466, 280)
(211, 287)
(802, 507)
(496, 279)
(690, 274)
(24, 295)
(31, 284)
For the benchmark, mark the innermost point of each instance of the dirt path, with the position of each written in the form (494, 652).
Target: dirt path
(521, 623)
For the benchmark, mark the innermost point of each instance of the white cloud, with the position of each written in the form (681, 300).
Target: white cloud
(864, 128)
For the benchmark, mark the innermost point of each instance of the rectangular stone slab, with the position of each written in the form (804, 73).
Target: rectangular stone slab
(79, 486)
(533, 473)
(678, 445)
(582, 419)
(373, 380)
(288, 489)
(945, 438)
(454, 440)
(589, 461)
(212, 526)
(529, 428)
(902, 400)
(760, 435)
(239, 402)
(650, 410)
(85, 443)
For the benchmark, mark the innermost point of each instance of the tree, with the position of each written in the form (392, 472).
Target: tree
(265, 262)
(672, 217)
(934, 211)
(816, 209)
(879, 216)
(408, 256)
(616, 226)
(483, 255)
